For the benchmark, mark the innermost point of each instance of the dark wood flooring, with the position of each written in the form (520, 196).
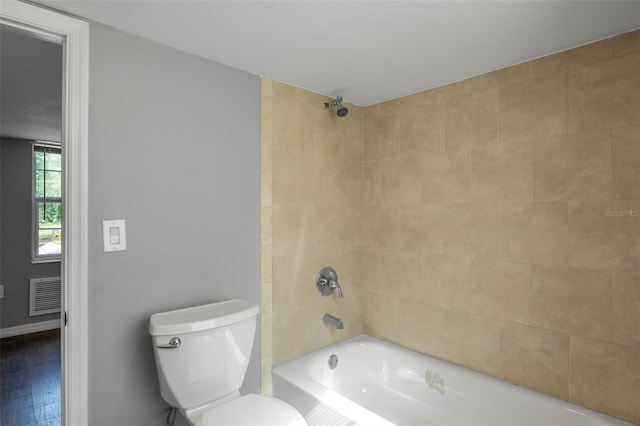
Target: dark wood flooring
(30, 379)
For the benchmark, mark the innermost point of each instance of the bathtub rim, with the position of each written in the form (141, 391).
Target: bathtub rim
(283, 371)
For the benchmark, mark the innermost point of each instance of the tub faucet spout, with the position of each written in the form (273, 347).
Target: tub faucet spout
(332, 321)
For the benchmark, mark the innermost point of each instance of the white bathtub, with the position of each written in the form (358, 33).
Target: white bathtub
(378, 383)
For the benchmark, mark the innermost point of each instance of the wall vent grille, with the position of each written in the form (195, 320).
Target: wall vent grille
(44, 296)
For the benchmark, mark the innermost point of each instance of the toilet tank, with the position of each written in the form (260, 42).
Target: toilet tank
(212, 358)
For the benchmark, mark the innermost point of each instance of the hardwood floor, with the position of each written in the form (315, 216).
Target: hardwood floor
(30, 379)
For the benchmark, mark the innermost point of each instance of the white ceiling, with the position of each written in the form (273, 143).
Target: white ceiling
(368, 51)
(31, 87)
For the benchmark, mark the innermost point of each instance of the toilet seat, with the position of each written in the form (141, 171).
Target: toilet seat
(253, 410)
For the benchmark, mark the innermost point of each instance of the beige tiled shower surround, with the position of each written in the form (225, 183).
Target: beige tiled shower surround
(311, 218)
(493, 223)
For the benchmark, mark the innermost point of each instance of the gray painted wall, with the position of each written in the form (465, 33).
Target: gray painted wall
(174, 149)
(16, 268)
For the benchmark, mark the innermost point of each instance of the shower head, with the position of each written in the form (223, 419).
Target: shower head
(341, 110)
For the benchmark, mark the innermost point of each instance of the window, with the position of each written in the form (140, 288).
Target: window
(47, 202)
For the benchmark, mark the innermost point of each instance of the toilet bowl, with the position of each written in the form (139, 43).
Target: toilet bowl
(202, 354)
(253, 410)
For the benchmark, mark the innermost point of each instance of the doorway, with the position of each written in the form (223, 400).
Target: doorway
(31, 237)
(75, 40)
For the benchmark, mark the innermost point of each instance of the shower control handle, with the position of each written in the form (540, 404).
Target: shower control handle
(173, 344)
(327, 282)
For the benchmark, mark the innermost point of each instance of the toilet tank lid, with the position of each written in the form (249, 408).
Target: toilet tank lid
(203, 317)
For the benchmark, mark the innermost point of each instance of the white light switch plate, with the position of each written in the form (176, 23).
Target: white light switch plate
(114, 235)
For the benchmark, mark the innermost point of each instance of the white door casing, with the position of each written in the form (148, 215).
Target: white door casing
(75, 35)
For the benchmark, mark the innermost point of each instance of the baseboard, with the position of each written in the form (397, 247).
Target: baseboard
(35, 327)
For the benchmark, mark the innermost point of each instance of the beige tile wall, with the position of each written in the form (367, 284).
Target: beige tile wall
(311, 218)
(266, 236)
(492, 223)
(502, 224)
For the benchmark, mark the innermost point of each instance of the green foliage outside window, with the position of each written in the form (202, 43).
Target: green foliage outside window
(48, 200)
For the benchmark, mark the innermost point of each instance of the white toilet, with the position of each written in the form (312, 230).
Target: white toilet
(202, 354)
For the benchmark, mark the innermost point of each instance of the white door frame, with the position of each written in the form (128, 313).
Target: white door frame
(75, 34)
